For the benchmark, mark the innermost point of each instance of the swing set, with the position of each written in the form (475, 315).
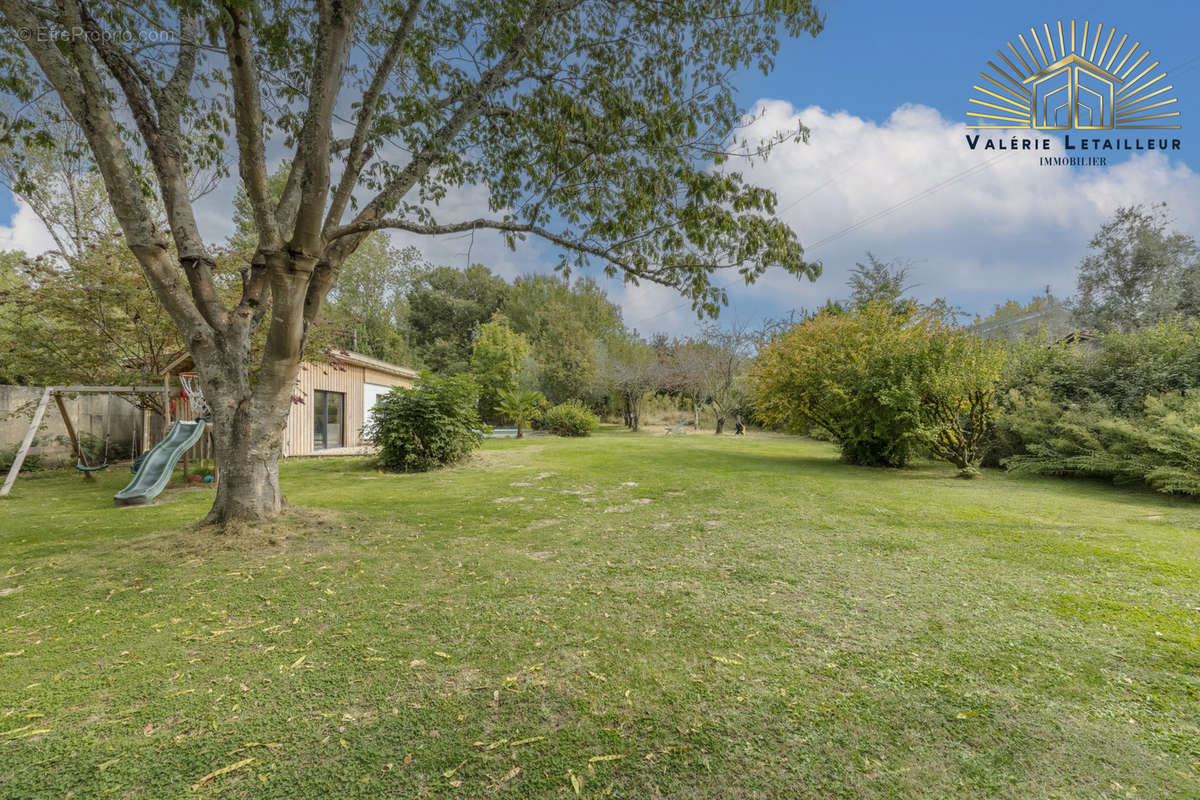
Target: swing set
(81, 459)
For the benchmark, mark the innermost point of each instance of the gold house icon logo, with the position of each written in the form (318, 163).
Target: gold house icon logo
(1073, 83)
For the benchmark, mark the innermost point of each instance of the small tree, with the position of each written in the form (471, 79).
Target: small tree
(87, 318)
(521, 406)
(634, 371)
(960, 397)
(722, 357)
(496, 357)
(684, 374)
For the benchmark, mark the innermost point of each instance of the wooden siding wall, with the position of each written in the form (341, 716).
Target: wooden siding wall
(298, 434)
(348, 379)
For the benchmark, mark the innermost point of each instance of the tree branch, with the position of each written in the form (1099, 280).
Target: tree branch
(358, 152)
(85, 96)
(466, 111)
(300, 209)
(248, 118)
(158, 121)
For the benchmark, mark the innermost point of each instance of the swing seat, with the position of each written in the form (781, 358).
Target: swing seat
(97, 468)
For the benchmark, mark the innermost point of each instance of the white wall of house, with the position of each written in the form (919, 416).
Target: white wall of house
(371, 394)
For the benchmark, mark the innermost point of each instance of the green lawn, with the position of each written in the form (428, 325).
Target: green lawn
(621, 616)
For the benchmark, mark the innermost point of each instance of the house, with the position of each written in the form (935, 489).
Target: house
(332, 401)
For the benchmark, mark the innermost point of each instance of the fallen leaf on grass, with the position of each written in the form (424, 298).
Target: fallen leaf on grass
(613, 757)
(530, 740)
(15, 730)
(512, 773)
(576, 783)
(450, 772)
(219, 772)
(29, 733)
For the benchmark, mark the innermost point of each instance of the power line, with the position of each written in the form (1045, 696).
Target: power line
(908, 200)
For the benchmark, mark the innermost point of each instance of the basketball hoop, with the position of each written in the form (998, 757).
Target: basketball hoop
(191, 390)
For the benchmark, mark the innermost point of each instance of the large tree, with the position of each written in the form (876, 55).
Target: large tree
(1139, 272)
(445, 306)
(601, 127)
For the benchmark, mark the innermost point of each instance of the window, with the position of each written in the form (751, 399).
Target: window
(329, 411)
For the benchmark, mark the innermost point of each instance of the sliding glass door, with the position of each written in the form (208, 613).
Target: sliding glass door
(329, 410)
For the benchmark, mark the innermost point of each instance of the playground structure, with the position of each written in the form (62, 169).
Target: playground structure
(153, 469)
(58, 393)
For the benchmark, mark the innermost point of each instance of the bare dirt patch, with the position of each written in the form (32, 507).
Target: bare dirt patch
(297, 527)
(630, 506)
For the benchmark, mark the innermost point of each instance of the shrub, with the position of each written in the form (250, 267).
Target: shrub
(1118, 369)
(430, 425)
(1160, 447)
(1025, 417)
(571, 418)
(884, 383)
(9, 454)
(848, 374)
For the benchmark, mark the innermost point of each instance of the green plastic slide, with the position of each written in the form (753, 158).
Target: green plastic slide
(155, 470)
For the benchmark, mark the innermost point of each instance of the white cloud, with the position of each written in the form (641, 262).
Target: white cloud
(25, 232)
(986, 227)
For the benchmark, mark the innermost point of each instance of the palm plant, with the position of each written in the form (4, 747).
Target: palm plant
(521, 406)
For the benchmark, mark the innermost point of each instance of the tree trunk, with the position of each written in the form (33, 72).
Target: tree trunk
(249, 486)
(720, 424)
(247, 431)
(519, 432)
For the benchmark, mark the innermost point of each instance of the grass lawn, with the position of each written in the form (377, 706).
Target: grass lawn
(621, 616)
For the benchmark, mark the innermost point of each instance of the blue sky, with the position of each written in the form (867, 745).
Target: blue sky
(884, 89)
(875, 55)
